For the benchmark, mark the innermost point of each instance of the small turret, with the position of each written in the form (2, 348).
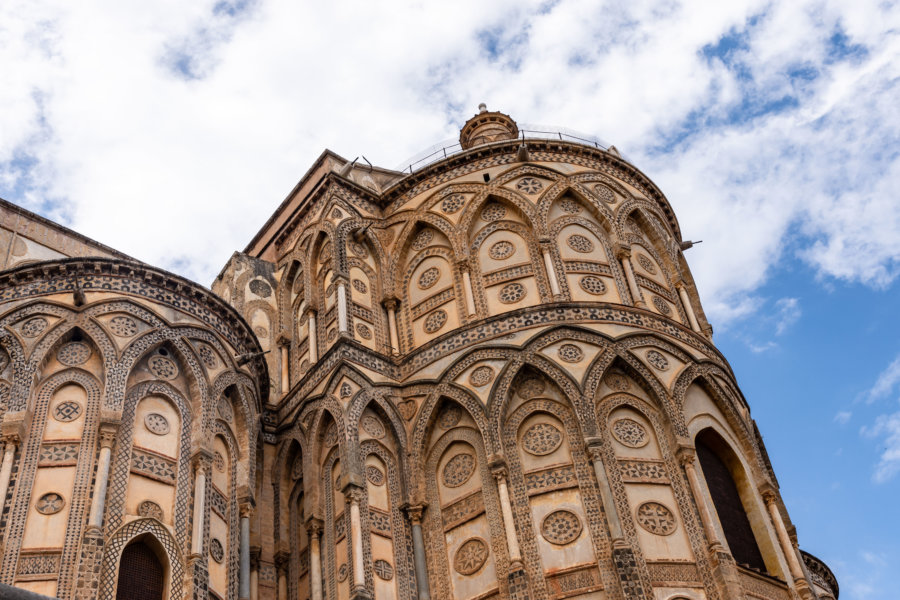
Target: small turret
(487, 127)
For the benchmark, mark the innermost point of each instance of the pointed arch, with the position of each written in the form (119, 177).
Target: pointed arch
(121, 537)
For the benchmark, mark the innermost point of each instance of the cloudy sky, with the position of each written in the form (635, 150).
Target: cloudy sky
(170, 130)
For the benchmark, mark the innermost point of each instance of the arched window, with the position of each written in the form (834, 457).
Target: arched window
(141, 575)
(715, 457)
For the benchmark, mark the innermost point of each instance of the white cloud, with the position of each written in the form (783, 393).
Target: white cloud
(887, 427)
(789, 312)
(171, 130)
(843, 417)
(886, 382)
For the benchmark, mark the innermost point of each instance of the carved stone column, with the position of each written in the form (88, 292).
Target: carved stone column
(343, 319)
(255, 553)
(624, 256)
(244, 571)
(509, 524)
(107, 439)
(314, 529)
(353, 497)
(285, 344)
(390, 305)
(415, 519)
(787, 547)
(202, 467)
(282, 561)
(313, 350)
(725, 568)
(595, 451)
(688, 307)
(551, 270)
(9, 452)
(463, 267)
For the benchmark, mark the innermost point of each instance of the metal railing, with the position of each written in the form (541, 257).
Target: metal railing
(448, 148)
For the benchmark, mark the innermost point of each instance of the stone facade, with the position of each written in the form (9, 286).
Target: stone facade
(488, 378)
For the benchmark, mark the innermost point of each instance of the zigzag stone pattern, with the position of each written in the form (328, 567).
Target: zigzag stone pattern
(490, 377)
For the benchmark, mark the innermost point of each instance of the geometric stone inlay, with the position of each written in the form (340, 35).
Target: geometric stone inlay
(449, 417)
(162, 367)
(74, 353)
(605, 193)
(429, 277)
(512, 292)
(50, 503)
(423, 239)
(208, 356)
(374, 475)
(225, 410)
(435, 321)
(630, 433)
(260, 288)
(156, 423)
(342, 573)
(383, 569)
(363, 331)
(561, 527)
(219, 461)
(661, 305)
(216, 551)
(592, 285)
(452, 203)
(501, 250)
(150, 509)
(470, 557)
(493, 212)
(458, 470)
(123, 326)
(481, 376)
(617, 381)
(646, 264)
(656, 518)
(372, 426)
(657, 360)
(570, 353)
(529, 185)
(530, 388)
(33, 327)
(360, 286)
(541, 439)
(570, 206)
(579, 243)
(66, 411)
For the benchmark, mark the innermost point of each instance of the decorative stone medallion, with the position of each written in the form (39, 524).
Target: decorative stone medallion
(374, 475)
(512, 293)
(656, 518)
(617, 381)
(657, 360)
(346, 390)
(561, 527)
(208, 356)
(383, 569)
(592, 285)
(579, 243)
(162, 367)
(224, 409)
(422, 239)
(359, 249)
(156, 423)
(372, 426)
(493, 212)
(407, 408)
(331, 435)
(331, 335)
(74, 353)
(67, 411)
(360, 286)
(260, 288)
(529, 185)
(541, 439)
(570, 353)
(449, 417)
(458, 470)
(570, 206)
(363, 331)
(661, 305)
(435, 321)
(501, 250)
(297, 468)
(261, 332)
(336, 214)
(630, 433)
(34, 326)
(123, 326)
(325, 254)
(150, 509)
(531, 388)
(481, 376)
(342, 573)
(604, 193)
(428, 278)
(470, 556)
(219, 461)
(216, 551)
(452, 203)
(50, 503)
(646, 263)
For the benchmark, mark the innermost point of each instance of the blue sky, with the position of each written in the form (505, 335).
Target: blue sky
(171, 130)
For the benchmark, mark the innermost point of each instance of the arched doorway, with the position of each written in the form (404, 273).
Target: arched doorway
(141, 574)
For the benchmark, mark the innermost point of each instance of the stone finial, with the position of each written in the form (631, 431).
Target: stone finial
(486, 127)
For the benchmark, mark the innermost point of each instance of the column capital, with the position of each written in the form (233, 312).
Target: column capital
(686, 455)
(246, 509)
(498, 467)
(255, 554)
(390, 302)
(108, 433)
(283, 338)
(314, 527)
(622, 251)
(353, 493)
(414, 511)
(202, 460)
(282, 560)
(769, 495)
(463, 265)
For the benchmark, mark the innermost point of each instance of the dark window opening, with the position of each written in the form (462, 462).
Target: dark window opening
(727, 501)
(141, 575)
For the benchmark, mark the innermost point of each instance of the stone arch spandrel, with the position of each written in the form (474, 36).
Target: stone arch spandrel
(28, 467)
(377, 399)
(120, 538)
(122, 453)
